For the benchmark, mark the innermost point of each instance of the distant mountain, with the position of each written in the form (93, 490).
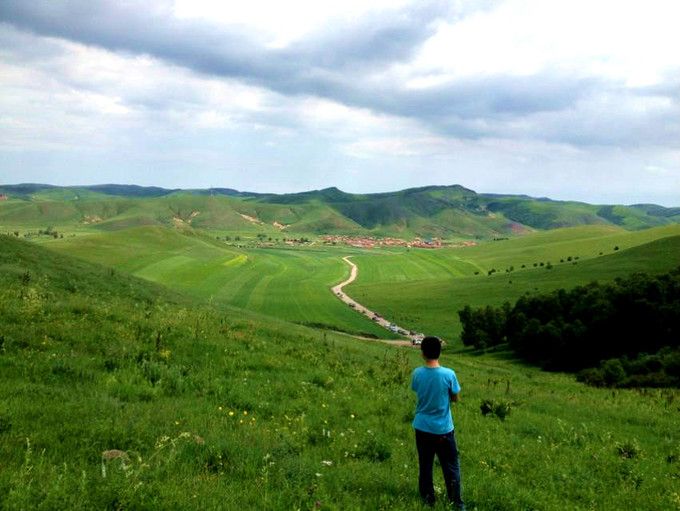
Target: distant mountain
(431, 211)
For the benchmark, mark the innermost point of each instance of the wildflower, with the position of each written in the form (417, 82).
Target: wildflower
(219, 408)
(318, 474)
(351, 415)
(327, 463)
(176, 423)
(231, 414)
(245, 412)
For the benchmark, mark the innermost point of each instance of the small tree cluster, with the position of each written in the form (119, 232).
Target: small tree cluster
(576, 329)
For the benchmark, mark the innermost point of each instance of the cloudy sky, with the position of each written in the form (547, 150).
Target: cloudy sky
(566, 99)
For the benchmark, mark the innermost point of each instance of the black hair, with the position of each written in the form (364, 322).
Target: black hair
(431, 347)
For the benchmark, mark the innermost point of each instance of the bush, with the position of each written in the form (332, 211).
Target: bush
(629, 449)
(500, 409)
(613, 372)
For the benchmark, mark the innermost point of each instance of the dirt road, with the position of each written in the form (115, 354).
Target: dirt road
(361, 309)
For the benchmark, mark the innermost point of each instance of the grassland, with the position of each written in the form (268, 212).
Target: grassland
(223, 410)
(425, 289)
(418, 289)
(288, 283)
(449, 212)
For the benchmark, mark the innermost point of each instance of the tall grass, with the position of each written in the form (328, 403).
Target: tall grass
(215, 410)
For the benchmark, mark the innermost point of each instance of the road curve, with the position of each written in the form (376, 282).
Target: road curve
(379, 320)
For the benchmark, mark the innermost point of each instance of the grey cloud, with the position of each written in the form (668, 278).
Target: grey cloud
(341, 62)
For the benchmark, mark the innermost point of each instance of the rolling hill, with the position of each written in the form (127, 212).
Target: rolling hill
(449, 212)
(116, 393)
(425, 289)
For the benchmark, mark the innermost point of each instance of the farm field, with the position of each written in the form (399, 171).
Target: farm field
(425, 289)
(288, 283)
(417, 289)
(221, 409)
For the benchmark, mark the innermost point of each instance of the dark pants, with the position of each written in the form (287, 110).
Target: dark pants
(444, 446)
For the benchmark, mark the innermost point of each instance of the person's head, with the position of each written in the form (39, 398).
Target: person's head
(431, 348)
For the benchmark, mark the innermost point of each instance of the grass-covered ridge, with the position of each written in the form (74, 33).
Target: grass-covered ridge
(449, 212)
(222, 410)
(292, 284)
(426, 289)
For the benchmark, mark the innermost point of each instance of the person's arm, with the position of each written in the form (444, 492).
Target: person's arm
(454, 389)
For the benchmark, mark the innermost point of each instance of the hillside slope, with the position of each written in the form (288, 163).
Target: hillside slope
(117, 394)
(290, 284)
(448, 212)
(424, 291)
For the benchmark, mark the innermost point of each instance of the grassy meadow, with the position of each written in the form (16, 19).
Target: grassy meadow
(424, 289)
(117, 393)
(288, 283)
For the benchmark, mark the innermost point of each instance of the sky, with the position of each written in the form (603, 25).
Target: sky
(574, 100)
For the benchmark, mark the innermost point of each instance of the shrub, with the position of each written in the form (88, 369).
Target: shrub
(613, 372)
(500, 409)
(629, 449)
(591, 376)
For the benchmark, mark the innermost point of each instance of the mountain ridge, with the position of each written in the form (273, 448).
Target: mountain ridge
(445, 211)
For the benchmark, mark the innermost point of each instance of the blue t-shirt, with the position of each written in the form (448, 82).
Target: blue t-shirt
(433, 385)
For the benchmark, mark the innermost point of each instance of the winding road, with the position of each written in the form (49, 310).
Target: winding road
(379, 320)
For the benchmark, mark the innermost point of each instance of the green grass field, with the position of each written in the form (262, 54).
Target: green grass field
(424, 290)
(288, 283)
(222, 409)
(449, 212)
(418, 289)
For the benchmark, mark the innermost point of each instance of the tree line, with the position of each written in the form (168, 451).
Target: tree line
(623, 333)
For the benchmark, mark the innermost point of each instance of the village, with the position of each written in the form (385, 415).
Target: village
(373, 242)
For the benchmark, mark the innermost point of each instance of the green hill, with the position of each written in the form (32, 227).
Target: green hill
(449, 212)
(425, 289)
(116, 393)
(287, 283)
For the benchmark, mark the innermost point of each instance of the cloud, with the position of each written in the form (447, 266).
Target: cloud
(461, 87)
(356, 62)
(352, 63)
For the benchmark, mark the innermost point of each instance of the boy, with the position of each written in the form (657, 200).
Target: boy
(435, 387)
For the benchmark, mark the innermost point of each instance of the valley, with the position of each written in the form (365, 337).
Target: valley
(223, 366)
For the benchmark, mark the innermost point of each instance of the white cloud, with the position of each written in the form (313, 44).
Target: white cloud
(525, 96)
(279, 24)
(634, 42)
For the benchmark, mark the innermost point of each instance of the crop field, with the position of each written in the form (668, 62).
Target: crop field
(290, 284)
(418, 289)
(423, 289)
(118, 394)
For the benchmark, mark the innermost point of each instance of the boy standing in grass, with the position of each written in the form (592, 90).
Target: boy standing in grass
(435, 387)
